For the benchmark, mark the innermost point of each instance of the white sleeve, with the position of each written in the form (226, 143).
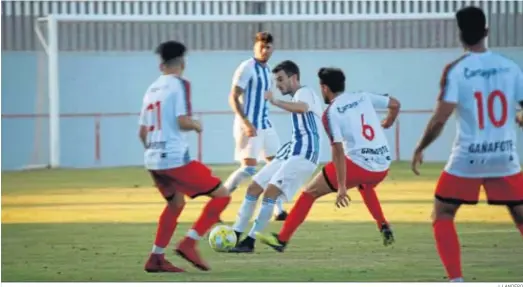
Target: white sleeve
(379, 101)
(330, 123)
(519, 86)
(181, 101)
(449, 85)
(305, 96)
(242, 75)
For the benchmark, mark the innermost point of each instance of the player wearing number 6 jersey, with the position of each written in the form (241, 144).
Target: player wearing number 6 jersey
(484, 88)
(165, 119)
(360, 154)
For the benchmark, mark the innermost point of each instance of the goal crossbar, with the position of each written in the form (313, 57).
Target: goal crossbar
(50, 44)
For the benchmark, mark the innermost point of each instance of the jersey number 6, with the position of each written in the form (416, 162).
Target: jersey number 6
(490, 108)
(366, 130)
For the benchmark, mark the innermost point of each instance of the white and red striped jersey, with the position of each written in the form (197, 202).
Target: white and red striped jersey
(352, 120)
(486, 88)
(166, 99)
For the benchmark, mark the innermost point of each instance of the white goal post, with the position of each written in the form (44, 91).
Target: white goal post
(50, 43)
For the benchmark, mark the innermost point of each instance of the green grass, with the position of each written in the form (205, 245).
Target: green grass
(98, 225)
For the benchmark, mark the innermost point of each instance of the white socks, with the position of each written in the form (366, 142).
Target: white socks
(245, 213)
(158, 250)
(238, 176)
(266, 211)
(279, 206)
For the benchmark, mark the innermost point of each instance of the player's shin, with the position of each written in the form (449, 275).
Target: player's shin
(238, 176)
(372, 202)
(264, 216)
(297, 215)
(166, 226)
(210, 215)
(448, 247)
(245, 214)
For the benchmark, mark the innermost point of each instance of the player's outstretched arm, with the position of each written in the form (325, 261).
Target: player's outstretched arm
(393, 112)
(293, 107)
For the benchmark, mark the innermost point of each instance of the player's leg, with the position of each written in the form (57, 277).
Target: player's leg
(246, 151)
(507, 191)
(451, 192)
(255, 189)
(366, 181)
(286, 181)
(166, 225)
(271, 145)
(370, 198)
(196, 179)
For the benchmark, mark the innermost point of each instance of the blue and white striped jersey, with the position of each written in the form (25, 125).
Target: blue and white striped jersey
(255, 79)
(305, 140)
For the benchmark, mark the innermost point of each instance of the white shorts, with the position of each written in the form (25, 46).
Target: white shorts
(265, 144)
(288, 175)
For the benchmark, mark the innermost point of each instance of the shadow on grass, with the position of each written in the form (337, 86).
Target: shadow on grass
(319, 251)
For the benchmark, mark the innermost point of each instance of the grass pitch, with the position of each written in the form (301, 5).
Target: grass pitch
(98, 225)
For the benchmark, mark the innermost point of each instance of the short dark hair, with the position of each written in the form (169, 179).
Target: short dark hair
(472, 25)
(333, 78)
(170, 50)
(288, 67)
(264, 37)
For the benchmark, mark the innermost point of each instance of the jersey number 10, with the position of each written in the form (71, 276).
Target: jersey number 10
(156, 106)
(497, 122)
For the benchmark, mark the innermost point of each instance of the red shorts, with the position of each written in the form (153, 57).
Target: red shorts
(506, 190)
(193, 179)
(356, 175)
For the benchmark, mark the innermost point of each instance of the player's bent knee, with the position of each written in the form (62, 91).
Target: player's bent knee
(251, 162)
(516, 211)
(220, 192)
(318, 187)
(444, 210)
(254, 189)
(272, 192)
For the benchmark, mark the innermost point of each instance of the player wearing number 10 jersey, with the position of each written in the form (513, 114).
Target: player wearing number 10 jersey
(484, 88)
(360, 154)
(165, 118)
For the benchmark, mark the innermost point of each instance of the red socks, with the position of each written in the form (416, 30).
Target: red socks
(210, 214)
(296, 216)
(447, 243)
(370, 198)
(167, 225)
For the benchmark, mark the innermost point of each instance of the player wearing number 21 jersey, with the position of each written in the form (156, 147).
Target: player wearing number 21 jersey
(165, 118)
(360, 154)
(484, 88)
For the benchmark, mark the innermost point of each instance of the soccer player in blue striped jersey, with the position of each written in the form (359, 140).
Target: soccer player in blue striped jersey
(295, 161)
(254, 134)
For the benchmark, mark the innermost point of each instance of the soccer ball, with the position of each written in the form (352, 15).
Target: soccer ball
(222, 238)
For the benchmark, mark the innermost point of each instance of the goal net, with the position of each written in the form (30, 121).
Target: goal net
(93, 70)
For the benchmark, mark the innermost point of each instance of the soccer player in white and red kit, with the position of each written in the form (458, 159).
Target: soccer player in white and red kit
(360, 154)
(165, 119)
(484, 89)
